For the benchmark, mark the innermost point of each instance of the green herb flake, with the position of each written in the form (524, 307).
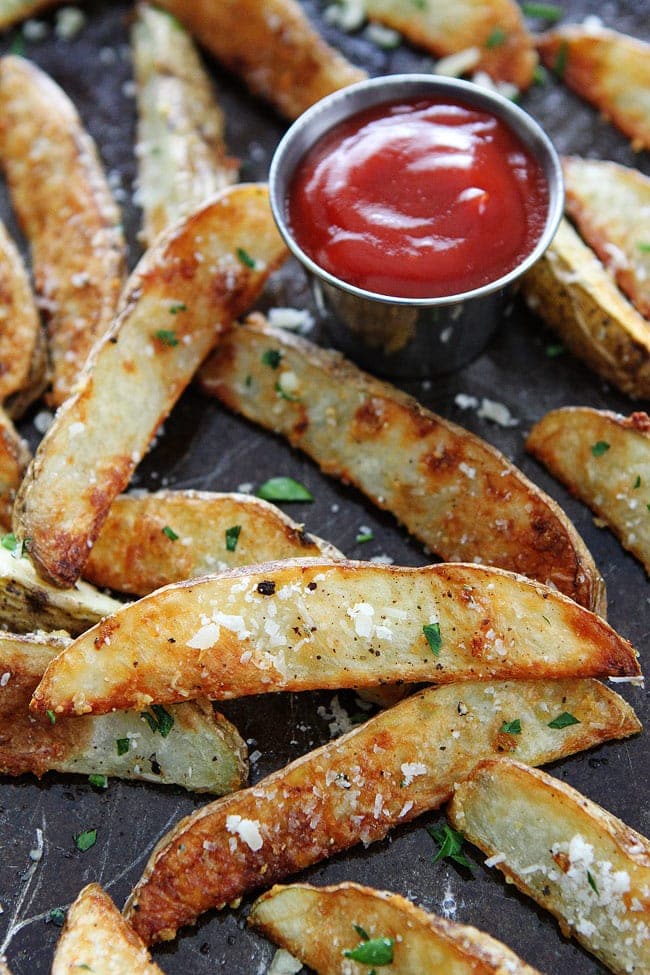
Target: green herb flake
(511, 727)
(637, 483)
(496, 37)
(18, 46)
(123, 746)
(174, 309)
(272, 358)
(432, 634)
(99, 781)
(52, 716)
(245, 257)
(363, 934)
(167, 336)
(563, 720)
(57, 917)
(83, 841)
(540, 75)
(592, 884)
(375, 951)
(554, 350)
(232, 537)
(14, 545)
(151, 721)
(542, 11)
(365, 537)
(84, 966)
(561, 59)
(164, 719)
(170, 533)
(600, 448)
(451, 845)
(283, 489)
(644, 246)
(420, 4)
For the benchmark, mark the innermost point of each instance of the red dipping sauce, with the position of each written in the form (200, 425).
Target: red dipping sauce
(418, 199)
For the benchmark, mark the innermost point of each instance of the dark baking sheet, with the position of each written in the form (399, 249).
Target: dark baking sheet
(204, 447)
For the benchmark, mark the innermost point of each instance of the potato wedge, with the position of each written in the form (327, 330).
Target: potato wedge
(134, 555)
(13, 11)
(609, 69)
(496, 28)
(571, 290)
(181, 151)
(66, 210)
(272, 45)
(604, 459)
(95, 937)
(22, 343)
(458, 495)
(316, 624)
(14, 458)
(319, 925)
(397, 765)
(590, 870)
(610, 205)
(183, 295)
(199, 750)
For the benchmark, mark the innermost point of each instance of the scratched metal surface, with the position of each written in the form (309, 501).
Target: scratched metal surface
(203, 447)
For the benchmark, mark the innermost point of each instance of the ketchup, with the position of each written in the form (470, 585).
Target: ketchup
(418, 199)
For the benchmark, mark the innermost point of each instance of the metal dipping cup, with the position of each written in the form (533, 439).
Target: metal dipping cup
(409, 338)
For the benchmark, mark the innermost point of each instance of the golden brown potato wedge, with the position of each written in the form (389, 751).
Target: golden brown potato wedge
(609, 69)
(320, 925)
(397, 765)
(14, 458)
(22, 345)
(188, 744)
(316, 624)
(610, 205)
(215, 532)
(183, 295)
(604, 459)
(181, 151)
(496, 28)
(272, 45)
(13, 11)
(66, 210)
(458, 495)
(96, 938)
(590, 870)
(571, 290)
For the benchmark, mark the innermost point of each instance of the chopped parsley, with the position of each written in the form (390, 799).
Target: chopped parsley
(123, 745)
(511, 727)
(600, 448)
(451, 845)
(420, 4)
(637, 483)
(272, 358)
(14, 545)
(99, 781)
(284, 394)
(374, 951)
(365, 537)
(179, 306)
(561, 59)
(555, 350)
(245, 257)
(283, 489)
(167, 336)
(592, 884)
(542, 11)
(160, 721)
(563, 720)
(83, 841)
(496, 37)
(363, 934)
(170, 533)
(644, 246)
(57, 917)
(540, 77)
(232, 537)
(52, 716)
(433, 638)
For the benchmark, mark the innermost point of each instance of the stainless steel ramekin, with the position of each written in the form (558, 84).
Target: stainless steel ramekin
(409, 337)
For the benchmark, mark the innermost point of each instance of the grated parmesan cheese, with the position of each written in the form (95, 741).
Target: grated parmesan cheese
(247, 829)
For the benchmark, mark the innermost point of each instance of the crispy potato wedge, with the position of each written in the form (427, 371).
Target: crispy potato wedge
(28, 603)
(610, 205)
(95, 937)
(319, 924)
(200, 750)
(66, 210)
(14, 458)
(571, 290)
(316, 624)
(609, 69)
(604, 459)
(134, 555)
(397, 765)
(183, 295)
(590, 870)
(448, 28)
(272, 45)
(182, 159)
(13, 11)
(22, 343)
(458, 495)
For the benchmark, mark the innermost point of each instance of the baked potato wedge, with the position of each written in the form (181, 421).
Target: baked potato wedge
(13, 11)
(272, 45)
(610, 205)
(183, 295)
(316, 624)
(459, 496)
(496, 28)
(181, 151)
(571, 290)
(14, 458)
(590, 870)
(320, 926)
(133, 554)
(188, 744)
(397, 765)
(604, 459)
(96, 938)
(609, 69)
(66, 211)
